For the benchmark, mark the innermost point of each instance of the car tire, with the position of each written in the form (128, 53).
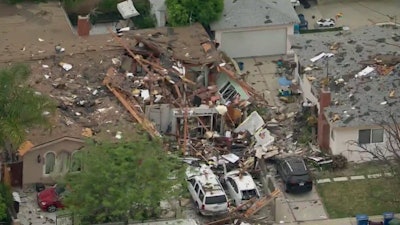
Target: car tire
(331, 25)
(320, 25)
(51, 209)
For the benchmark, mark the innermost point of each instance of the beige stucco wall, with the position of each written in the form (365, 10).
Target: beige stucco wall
(33, 171)
(289, 31)
(340, 143)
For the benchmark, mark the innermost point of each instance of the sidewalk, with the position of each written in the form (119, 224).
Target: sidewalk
(341, 221)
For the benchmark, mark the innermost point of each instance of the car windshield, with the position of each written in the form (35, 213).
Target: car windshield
(59, 190)
(216, 199)
(248, 194)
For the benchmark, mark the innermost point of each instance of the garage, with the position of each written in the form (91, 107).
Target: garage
(255, 28)
(241, 44)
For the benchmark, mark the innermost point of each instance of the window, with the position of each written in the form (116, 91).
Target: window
(62, 164)
(368, 136)
(201, 196)
(50, 161)
(196, 188)
(192, 181)
(228, 91)
(76, 162)
(332, 135)
(216, 199)
(248, 194)
(233, 184)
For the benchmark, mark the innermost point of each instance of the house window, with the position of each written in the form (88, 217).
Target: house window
(50, 161)
(332, 135)
(228, 91)
(76, 161)
(368, 136)
(62, 163)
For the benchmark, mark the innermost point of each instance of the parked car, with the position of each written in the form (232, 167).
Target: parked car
(295, 174)
(326, 22)
(303, 22)
(305, 4)
(241, 186)
(50, 199)
(207, 192)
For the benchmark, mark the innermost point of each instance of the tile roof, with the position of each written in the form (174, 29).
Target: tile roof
(255, 13)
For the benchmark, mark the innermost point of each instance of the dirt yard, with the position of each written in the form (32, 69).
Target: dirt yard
(31, 31)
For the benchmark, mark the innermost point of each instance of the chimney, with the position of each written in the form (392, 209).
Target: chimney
(323, 125)
(83, 25)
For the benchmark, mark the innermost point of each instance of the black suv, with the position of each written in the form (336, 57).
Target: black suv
(294, 174)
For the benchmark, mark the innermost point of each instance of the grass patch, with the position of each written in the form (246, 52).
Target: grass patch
(370, 196)
(354, 169)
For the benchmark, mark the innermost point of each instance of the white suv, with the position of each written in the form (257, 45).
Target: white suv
(241, 186)
(206, 190)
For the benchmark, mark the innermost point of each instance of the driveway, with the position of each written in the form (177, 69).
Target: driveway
(356, 13)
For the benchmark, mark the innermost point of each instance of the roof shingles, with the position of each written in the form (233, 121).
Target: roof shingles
(255, 13)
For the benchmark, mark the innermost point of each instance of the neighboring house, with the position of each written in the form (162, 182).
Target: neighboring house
(159, 10)
(354, 87)
(45, 162)
(255, 27)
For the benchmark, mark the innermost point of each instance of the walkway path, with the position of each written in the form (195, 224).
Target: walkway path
(352, 178)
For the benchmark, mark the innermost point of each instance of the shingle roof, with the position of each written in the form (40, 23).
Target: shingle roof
(255, 13)
(361, 101)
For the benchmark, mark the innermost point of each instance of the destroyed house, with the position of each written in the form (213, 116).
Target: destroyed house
(352, 79)
(174, 82)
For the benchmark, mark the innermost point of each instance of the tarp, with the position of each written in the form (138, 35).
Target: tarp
(283, 81)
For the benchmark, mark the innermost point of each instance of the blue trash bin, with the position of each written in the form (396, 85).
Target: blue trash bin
(362, 219)
(241, 66)
(387, 217)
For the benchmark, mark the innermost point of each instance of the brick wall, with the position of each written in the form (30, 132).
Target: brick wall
(323, 126)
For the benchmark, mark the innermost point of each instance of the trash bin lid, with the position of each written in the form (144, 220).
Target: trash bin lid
(16, 197)
(361, 217)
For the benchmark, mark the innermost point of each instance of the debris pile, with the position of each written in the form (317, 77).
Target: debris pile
(174, 83)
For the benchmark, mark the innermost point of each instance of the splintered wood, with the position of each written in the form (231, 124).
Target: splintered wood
(130, 105)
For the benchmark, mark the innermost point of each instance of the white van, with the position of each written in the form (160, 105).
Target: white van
(206, 190)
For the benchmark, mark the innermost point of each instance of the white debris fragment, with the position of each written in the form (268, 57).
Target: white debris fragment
(158, 98)
(40, 40)
(125, 29)
(367, 70)
(129, 75)
(45, 113)
(95, 92)
(320, 56)
(384, 103)
(116, 61)
(46, 76)
(118, 135)
(66, 66)
(45, 66)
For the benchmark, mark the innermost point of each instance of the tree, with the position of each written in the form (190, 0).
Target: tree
(388, 152)
(21, 108)
(122, 181)
(184, 12)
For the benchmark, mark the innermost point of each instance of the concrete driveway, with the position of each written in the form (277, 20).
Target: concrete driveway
(356, 13)
(299, 207)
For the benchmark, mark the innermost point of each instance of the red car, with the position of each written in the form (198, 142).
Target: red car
(50, 199)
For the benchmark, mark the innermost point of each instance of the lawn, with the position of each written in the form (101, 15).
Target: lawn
(370, 196)
(354, 169)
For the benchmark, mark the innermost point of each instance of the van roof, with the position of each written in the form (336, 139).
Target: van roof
(244, 182)
(207, 179)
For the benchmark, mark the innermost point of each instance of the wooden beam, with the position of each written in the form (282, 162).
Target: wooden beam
(146, 124)
(258, 205)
